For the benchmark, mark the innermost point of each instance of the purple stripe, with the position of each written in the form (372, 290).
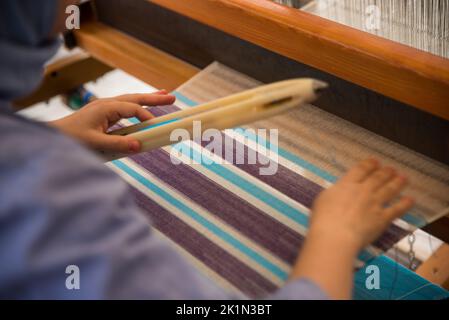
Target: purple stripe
(390, 237)
(222, 203)
(238, 274)
(286, 181)
(160, 111)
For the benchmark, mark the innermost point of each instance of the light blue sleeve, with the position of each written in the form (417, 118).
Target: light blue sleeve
(61, 206)
(301, 289)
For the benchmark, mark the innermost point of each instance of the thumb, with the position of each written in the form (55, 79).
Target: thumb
(112, 143)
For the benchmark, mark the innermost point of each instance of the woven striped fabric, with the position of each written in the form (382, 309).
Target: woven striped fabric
(243, 229)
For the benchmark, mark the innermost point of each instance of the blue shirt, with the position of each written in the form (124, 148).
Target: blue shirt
(60, 206)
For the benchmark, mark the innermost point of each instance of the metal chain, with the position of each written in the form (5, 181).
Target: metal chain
(411, 253)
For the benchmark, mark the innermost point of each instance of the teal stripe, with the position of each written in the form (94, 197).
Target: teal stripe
(158, 125)
(260, 194)
(134, 120)
(184, 99)
(414, 220)
(365, 256)
(204, 222)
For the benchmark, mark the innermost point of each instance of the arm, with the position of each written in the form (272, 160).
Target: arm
(346, 218)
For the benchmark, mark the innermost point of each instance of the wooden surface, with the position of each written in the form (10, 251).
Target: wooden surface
(146, 63)
(436, 268)
(64, 75)
(414, 77)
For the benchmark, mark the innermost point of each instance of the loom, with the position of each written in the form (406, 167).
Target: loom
(422, 24)
(388, 97)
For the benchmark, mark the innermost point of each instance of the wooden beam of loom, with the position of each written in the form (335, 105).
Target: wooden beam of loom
(63, 76)
(392, 69)
(143, 61)
(436, 268)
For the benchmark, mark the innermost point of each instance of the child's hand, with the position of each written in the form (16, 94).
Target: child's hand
(90, 124)
(358, 207)
(346, 218)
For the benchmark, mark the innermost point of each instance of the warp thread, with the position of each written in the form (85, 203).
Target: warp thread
(422, 24)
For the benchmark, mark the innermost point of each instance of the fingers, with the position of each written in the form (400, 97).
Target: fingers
(379, 178)
(392, 189)
(400, 208)
(384, 182)
(160, 98)
(389, 192)
(116, 111)
(111, 143)
(361, 171)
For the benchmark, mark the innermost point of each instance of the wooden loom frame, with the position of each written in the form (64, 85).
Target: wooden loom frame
(383, 66)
